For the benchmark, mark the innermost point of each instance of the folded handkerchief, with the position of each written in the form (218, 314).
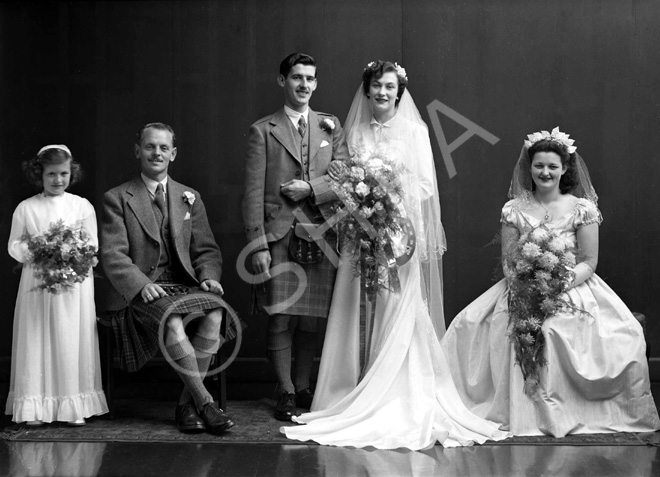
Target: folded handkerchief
(324, 143)
(187, 217)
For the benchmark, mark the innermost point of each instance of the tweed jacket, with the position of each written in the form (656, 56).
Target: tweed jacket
(273, 158)
(130, 245)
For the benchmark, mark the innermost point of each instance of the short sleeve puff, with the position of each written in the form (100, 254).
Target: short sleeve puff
(509, 212)
(586, 213)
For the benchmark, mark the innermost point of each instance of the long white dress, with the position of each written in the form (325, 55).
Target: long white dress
(596, 379)
(407, 398)
(55, 366)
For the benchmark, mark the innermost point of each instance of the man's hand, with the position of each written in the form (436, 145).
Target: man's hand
(212, 286)
(261, 263)
(337, 170)
(152, 292)
(296, 189)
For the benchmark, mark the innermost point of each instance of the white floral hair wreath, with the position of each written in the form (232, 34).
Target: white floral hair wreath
(400, 70)
(556, 135)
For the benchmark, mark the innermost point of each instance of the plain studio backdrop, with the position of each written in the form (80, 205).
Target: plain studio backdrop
(483, 74)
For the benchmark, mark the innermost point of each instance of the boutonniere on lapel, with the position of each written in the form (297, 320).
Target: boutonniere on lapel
(189, 198)
(327, 125)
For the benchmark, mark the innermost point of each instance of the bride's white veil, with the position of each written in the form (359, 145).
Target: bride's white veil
(422, 199)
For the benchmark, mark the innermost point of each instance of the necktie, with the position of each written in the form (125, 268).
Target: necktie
(302, 126)
(160, 199)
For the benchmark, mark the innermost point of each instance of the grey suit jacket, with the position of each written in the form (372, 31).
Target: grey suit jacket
(130, 246)
(273, 158)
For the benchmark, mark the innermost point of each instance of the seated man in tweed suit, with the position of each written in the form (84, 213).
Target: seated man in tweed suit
(286, 185)
(163, 263)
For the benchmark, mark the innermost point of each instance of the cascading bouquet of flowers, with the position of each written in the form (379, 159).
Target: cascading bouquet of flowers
(61, 256)
(539, 270)
(370, 199)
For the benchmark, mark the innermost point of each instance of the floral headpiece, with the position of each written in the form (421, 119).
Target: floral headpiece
(400, 70)
(556, 135)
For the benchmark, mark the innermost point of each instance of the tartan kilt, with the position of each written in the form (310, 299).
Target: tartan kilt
(136, 327)
(278, 291)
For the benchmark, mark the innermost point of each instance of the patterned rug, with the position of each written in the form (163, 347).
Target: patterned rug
(153, 421)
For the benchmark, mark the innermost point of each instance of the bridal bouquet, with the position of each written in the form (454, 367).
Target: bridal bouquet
(539, 270)
(370, 191)
(62, 256)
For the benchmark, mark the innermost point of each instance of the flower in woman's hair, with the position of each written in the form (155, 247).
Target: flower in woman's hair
(400, 71)
(556, 135)
(370, 64)
(327, 124)
(531, 250)
(189, 197)
(548, 260)
(357, 173)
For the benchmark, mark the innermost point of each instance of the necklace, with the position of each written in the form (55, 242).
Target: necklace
(547, 210)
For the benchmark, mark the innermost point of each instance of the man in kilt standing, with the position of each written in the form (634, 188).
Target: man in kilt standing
(162, 261)
(286, 186)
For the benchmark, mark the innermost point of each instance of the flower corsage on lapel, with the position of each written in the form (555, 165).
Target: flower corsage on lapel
(328, 125)
(189, 198)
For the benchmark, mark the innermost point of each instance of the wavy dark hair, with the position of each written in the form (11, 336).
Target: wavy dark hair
(376, 71)
(569, 180)
(296, 59)
(34, 167)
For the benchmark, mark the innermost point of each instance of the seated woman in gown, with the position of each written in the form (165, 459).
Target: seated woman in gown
(573, 369)
(394, 391)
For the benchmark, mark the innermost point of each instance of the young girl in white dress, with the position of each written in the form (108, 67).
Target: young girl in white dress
(595, 378)
(55, 366)
(401, 394)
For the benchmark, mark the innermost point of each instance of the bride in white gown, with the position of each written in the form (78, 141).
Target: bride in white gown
(402, 394)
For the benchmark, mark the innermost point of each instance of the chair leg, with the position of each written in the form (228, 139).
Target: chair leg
(106, 339)
(221, 377)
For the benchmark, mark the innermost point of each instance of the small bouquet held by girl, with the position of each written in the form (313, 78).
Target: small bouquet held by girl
(539, 269)
(370, 201)
(61, 256)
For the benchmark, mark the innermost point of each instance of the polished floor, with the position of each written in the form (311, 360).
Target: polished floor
(130, 459)
(116, 459)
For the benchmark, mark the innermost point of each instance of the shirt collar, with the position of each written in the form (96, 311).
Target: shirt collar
(294, 115)
(387, 124)
(152, 184)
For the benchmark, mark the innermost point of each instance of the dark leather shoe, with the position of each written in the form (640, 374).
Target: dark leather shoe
(215, 418)
(286, 407)
(187, 419)
(304, 398)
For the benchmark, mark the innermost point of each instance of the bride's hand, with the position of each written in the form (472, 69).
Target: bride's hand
(337, 170)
